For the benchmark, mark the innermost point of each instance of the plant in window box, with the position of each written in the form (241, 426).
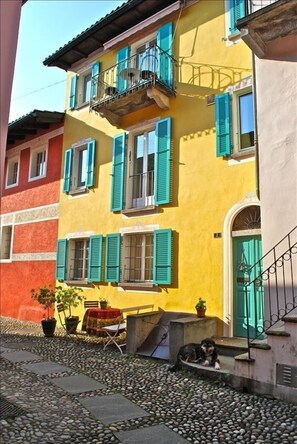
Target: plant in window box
(68, 298)
(201, 308)
(46, 297)
(103, 303)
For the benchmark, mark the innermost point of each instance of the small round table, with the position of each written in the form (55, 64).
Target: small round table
(96, 318)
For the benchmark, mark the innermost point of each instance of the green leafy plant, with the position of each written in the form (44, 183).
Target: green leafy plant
(69, 297)
(45, 296)
(201, 304)
(102, 299)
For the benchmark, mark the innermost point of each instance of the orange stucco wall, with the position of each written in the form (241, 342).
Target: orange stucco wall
(17, 280)
(31, 238)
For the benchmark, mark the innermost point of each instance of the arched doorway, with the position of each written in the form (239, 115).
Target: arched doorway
(246, 251)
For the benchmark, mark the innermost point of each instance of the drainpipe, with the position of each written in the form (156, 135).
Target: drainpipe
(256, 128)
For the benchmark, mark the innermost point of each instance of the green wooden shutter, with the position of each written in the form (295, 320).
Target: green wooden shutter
(61, 259)
(72, 96)
(95, 78)
(237, 11)
(122, 61)
(223, 125)
(67, 170)
(164, 41)
(162, 256)
(163, 161)
(112, 260)
(95, 259)
(118, 171)
(90, 165)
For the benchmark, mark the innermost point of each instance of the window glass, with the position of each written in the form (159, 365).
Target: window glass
(138, 258)
(246, 121)
(79, 257)
(6, 234)
(12, 172)
(82, 167)
(87, 88)
(38, 163)
(143, 170)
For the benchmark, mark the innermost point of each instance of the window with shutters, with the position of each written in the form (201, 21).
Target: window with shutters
(82, 88)
(12, 172)
(142, 167)
(235, 128)
(235, 10)
(38, 162)
(79, 258)
(79, 167)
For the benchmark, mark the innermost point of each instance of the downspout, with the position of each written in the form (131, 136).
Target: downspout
(256, 128)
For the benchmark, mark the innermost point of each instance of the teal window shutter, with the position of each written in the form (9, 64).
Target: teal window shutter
(162, 256)
(67, 170)
(223, 125)
(61, 259)
(90, 163)
(163, 161)
(95, 258)
(72, 96)
(164, 41)
(237, 11)
(95, 78)
(122, 61)
(118, 171)
(112, 260)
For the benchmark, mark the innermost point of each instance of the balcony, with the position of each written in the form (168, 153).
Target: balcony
(267, 22)
(135, 83)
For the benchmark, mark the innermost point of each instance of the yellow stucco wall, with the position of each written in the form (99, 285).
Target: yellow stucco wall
(205, 187)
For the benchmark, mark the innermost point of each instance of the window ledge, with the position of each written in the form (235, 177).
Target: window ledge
(138, 285)
(136, 211)
(82, 105)
(78, 191)
(78, 283)
(234, 36)
(244, 153)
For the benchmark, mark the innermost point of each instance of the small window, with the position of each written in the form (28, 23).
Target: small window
(38, 163)
(79, 167)
(6, 236)
(78, 259)
(138, 258)
(12, 172)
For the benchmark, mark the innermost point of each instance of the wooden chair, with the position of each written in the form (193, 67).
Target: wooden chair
(91, 304)
(113, 331)
(60, 309)
(69, 328)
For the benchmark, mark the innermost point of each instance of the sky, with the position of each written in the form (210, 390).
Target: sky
(45, 26)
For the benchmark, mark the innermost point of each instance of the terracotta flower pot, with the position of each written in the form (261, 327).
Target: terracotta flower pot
(201, 312)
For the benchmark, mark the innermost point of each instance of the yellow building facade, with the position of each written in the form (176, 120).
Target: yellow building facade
(158, 185)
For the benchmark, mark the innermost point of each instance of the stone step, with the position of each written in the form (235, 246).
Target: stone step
(290, 318)
(230, 346)
(261, 344)
(277, 332)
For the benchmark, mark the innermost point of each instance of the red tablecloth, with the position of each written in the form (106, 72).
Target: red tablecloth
(96, 318)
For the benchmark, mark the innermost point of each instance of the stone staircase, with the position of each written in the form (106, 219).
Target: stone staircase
(271, 366)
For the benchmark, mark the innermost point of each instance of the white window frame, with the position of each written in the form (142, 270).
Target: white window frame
(148, 201)
(71, 251)
(6, 237)
(33, 162)
(126, 260)
(237, 150)
(11, 162)
(80, 94)
(77, 148)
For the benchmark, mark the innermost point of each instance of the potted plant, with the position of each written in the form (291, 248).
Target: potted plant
(103, 303)
(46, 297)
(69, 298)
(201, 308)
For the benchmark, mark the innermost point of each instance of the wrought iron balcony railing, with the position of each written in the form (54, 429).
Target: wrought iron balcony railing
(255, 5)
(133, 83)
(278, 283)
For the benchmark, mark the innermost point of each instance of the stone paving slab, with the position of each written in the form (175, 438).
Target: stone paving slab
(20, 356)
(112, 408)
(151, 435)
(46, 368)
(5, 349)
(18, 345)
(77, 383)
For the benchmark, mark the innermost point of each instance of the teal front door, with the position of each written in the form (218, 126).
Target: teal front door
(247, 250)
